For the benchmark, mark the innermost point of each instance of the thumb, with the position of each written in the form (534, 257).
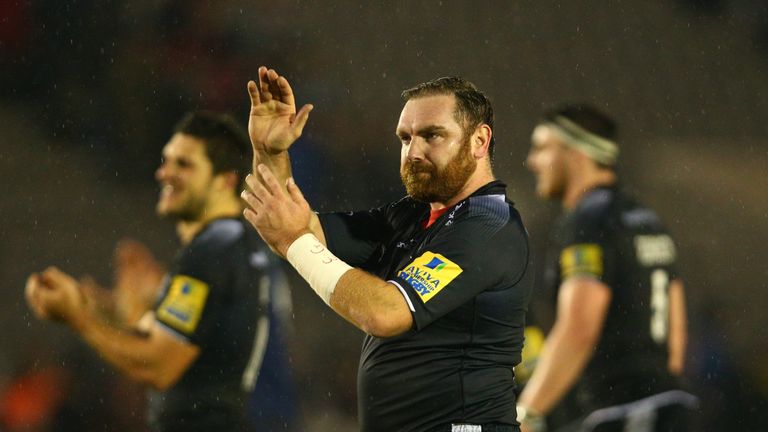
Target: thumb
(301, 119)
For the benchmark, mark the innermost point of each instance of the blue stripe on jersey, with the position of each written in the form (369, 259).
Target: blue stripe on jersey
(492, 208)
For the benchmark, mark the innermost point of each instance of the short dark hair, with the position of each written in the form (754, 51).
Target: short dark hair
(227, 144)
(586, 116)
(472, 106)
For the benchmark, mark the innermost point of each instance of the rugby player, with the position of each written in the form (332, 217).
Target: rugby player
(620, 330)
(200, 347)
(439, 281)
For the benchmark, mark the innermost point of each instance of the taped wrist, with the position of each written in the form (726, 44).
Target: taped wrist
(317, 265)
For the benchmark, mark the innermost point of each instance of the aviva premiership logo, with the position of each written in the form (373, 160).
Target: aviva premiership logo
(430, 273)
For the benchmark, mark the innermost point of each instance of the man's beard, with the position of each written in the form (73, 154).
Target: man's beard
(427, 183)
(190, 210)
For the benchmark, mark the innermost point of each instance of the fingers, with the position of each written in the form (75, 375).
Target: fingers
(271, 86)
(266, 96)
(286, 92)
(251, 217)
(52, 276)
(270, 181)
(132, 254)
(301, 119)
(251, 198)
(32, 292)
(294, 191)
(274, 87)
(253, 92)
(261, 192)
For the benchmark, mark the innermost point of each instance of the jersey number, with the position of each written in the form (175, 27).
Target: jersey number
(659, 305)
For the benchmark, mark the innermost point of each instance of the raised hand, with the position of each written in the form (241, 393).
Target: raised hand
(137, 280)
(280, 216)
(274, 124)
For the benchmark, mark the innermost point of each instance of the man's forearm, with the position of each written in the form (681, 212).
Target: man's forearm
(371, 304)
(136, 353)
(279, 163)
(125, 348)
(561, 362)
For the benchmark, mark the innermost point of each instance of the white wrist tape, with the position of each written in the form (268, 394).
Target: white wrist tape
(317, 265)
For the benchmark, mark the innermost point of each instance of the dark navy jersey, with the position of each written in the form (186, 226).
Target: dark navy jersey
(215, 297)
(467, 281)
(611, 237)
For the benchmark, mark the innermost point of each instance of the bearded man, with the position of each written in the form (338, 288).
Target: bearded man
(439, 281)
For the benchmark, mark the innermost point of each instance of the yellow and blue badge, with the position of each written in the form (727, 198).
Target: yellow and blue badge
(183, 305)
(430, 273)
(584, 258)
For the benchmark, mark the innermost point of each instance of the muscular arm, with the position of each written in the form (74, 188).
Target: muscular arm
(581, 309)
(678, 328)
(282, 216)
(371, 304)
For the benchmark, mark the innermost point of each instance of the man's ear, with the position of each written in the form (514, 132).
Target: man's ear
(481, 141)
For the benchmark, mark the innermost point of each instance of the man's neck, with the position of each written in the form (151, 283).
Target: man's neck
(578, 189)
(187, 230)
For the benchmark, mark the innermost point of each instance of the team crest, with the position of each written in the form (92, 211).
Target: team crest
(584, 258)
(430, 273)
(183, 305)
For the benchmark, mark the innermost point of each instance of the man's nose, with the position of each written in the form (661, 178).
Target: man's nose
(415, 150)
(162, 172)
(530, 162)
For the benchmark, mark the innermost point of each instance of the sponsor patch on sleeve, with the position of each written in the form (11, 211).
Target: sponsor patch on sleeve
(430, 273)
(585, 258)
(183, 306)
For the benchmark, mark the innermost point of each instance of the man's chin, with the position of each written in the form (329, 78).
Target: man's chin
(171, 214)
(547, 194)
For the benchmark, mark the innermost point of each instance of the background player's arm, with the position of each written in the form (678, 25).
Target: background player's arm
(147, 354)
(582, 305)
(678, 328)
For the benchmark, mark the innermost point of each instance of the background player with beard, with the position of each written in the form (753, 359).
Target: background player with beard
(444, 318)
(619, 336)
(200, 347)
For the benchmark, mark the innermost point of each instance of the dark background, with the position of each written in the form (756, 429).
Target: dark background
(89, 91)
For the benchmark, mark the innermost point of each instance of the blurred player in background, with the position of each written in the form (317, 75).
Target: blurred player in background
(620, 329)
(443, 275)
(196, 337)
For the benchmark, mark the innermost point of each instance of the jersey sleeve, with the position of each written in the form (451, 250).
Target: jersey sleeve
(485, 251)
(586, 250)
(355, 236)
(193, 296)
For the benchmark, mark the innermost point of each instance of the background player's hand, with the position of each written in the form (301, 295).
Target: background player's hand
(274, 124)
(280, 216)
(32, 294)
(56, 296)
(137, 280)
